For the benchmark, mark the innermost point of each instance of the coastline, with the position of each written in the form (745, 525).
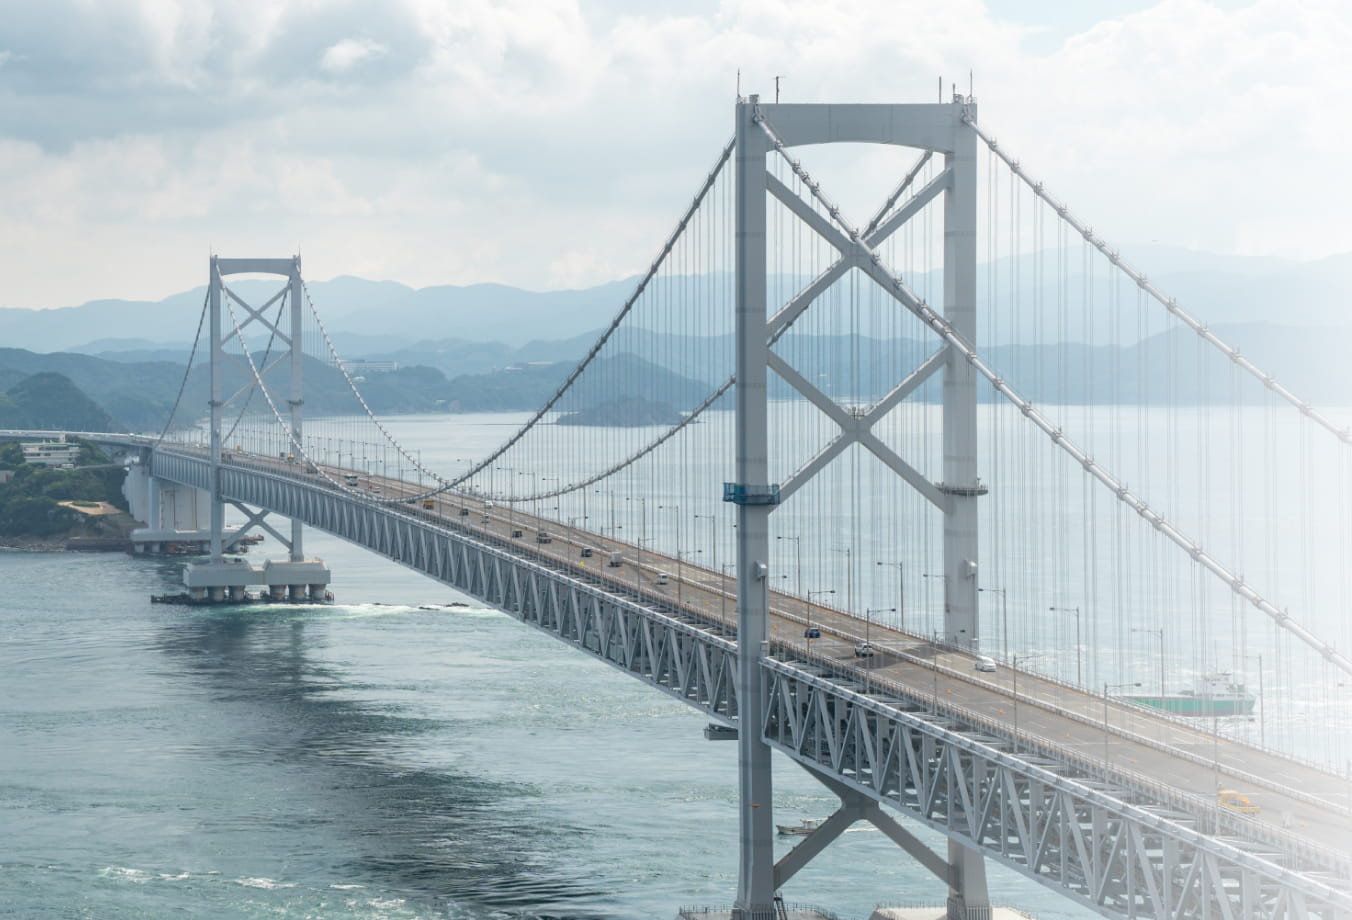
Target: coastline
(33, 544)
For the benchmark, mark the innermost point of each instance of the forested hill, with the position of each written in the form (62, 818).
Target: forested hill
(51, 400)
(85, 393)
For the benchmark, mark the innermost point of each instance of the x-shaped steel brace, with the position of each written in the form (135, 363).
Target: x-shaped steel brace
(256, 314)
(854, 807)
(238, 332)
(854, 428)
(249, 374)
(256, 519)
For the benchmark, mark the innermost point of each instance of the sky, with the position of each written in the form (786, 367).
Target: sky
(553, 144)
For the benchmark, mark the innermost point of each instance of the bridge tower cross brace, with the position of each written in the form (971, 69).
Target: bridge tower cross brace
(938, 128)
(287, 331)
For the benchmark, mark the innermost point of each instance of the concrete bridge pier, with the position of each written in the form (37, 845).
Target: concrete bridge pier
(968, 898)
(177, 517)
(281, 580)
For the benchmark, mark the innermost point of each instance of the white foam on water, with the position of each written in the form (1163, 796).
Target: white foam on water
(265, 883)
(139, 876)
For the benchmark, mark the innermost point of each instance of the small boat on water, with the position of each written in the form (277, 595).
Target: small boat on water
(806, 826)
(1215, 695)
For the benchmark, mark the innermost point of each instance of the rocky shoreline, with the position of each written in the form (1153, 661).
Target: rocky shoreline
(34, 544)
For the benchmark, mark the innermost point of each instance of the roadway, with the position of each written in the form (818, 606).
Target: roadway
(1117, 744)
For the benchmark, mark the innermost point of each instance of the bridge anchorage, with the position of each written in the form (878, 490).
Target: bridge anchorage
(222, 578)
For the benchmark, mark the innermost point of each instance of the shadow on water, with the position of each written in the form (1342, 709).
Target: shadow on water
(450, 840)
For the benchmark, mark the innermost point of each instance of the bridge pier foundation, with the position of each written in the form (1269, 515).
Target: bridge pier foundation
(968, 898)
(281, 580)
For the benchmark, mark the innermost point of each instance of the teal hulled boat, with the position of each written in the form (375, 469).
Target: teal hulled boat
(1215, 696)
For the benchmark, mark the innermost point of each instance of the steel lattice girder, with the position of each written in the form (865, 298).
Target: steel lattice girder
(633, 633)
(1119, 859)
(1116, 858)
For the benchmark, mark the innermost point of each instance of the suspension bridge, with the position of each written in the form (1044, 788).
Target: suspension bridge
(809, 483)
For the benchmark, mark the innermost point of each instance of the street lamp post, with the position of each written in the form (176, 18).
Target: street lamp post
(1004, 619)
(849, 577)
(1079, 677)
(1106, 688)
(677, 509)
(713, 536)
(642, 536)
(1262, 734)
(868, 619)
(807, 633)
(901, 592)
(943, 581)
(1160, 632)
(511, 505)
(611, 504)
(723, 591)
(798, 560)
(545, 479)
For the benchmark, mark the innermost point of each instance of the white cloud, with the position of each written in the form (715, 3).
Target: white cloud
(553, 142)
(350, 52)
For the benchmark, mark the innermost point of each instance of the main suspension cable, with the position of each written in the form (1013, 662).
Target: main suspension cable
(944, 329)
(183, 384)
(1343, 433)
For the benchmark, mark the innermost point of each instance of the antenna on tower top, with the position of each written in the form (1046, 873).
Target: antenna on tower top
(739, 84)
(777, 89)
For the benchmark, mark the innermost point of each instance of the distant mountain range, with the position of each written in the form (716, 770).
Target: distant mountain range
(471, 328)
(492, 347)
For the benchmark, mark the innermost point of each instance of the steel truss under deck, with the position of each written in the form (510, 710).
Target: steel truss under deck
(641, 635)
(1123, 860)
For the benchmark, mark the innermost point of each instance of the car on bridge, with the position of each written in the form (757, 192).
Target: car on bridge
(864, 650)
(1236, 801)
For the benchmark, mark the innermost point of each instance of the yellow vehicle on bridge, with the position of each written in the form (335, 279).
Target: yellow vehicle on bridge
(1235, 801)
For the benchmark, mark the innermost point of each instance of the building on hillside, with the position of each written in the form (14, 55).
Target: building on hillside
(369, 367)
(58, 453)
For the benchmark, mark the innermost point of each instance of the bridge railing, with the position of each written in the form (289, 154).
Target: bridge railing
(1204, 808)
(1118, 731)
(786, 651)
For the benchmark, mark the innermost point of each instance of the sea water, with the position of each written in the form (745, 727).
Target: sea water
(405, 752)
(387, 756)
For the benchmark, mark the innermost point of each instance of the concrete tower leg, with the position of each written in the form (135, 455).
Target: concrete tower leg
(154, 516)
(756, 854)
(217, 503)
(961, 622)
(968, 898)
(297, 400)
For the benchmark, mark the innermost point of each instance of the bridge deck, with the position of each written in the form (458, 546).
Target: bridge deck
(1158, 763)
(1145, 750)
